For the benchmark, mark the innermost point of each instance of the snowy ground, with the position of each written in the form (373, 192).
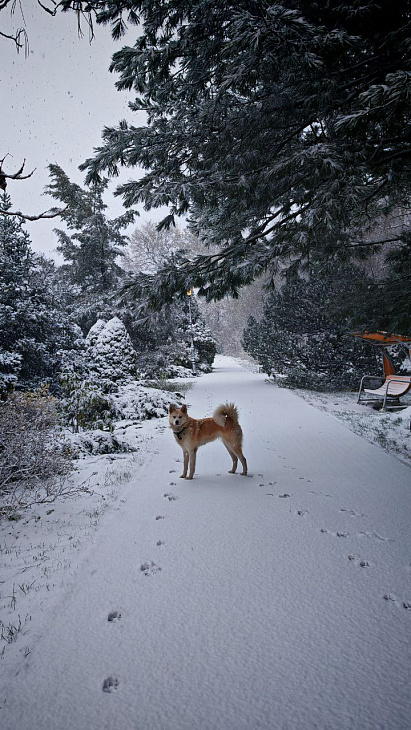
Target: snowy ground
(389, 429)
(277, 602)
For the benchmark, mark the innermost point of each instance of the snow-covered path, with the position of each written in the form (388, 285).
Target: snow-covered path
(278, 601)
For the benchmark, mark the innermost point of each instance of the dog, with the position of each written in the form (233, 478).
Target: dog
(191, 433)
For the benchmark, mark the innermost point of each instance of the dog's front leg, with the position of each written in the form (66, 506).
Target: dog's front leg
(193, 455)
(185, 467)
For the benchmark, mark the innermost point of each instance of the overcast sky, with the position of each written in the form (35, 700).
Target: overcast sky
(54, 105)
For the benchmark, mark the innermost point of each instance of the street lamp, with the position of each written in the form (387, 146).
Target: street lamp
(193, 352)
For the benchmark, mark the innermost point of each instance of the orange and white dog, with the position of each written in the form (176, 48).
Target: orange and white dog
(191, 433)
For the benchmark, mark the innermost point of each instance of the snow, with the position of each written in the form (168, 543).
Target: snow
(281, 600)
(389, 429)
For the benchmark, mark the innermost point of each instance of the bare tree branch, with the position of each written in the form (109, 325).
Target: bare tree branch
(364, 244)
(51, 12)
(51, 213)
(15, 176)
(20, 39)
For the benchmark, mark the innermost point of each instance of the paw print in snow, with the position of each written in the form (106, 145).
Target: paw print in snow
(362, 563)
(114, 616)
(110, 683)
(149, 568)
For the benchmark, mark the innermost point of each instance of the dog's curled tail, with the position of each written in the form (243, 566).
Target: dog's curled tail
(228, 410)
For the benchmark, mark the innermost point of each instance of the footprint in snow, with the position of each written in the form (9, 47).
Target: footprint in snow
(114, 616)
(392, 599)
(302, 512)
(160, 517)
(360, 561)
(335, 534)
(376, 536)
(110, 683)
(160, 542)
(170, 497)
(149, 568)
(352, 513)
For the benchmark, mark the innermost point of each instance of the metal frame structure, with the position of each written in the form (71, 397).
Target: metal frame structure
(393, 386)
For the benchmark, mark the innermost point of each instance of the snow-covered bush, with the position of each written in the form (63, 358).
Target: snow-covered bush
(100, 442)
(111, 356)
(205, 345)
(163, 363)
(33, 452)
(10, 364)
(83, 405)
(134, 401)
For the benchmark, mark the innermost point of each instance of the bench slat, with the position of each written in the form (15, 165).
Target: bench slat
(400, 385)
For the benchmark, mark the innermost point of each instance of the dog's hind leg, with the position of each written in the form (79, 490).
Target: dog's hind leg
(243, 461)
(185, 467)
(234, 458)
(233, 446)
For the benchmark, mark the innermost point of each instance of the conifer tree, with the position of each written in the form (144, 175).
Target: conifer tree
(96, 242)
(282, 128)
(305, 334)
(110, 353)
(33, 329)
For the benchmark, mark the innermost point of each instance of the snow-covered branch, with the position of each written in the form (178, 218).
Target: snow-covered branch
(51, 213)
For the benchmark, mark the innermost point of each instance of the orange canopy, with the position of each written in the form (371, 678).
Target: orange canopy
(383, 338)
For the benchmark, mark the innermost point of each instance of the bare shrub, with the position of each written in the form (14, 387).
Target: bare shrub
(33, 453)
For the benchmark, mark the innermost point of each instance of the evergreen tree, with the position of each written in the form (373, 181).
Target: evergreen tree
(162, 339)
(304, 335)
(110, 354)
(92, 249)
(282, 128)
(34, 332)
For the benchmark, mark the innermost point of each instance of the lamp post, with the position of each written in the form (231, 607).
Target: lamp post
(193, 354)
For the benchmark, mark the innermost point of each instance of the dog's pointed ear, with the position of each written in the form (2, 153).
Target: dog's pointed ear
(171, 408)
(184, 408)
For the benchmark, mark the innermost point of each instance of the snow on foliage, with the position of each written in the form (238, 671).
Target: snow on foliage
(136, 401)
(129, 405)
(100, 442)
(10, 364)
(111, 355)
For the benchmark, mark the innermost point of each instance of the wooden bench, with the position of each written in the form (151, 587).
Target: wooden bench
(390, 391)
